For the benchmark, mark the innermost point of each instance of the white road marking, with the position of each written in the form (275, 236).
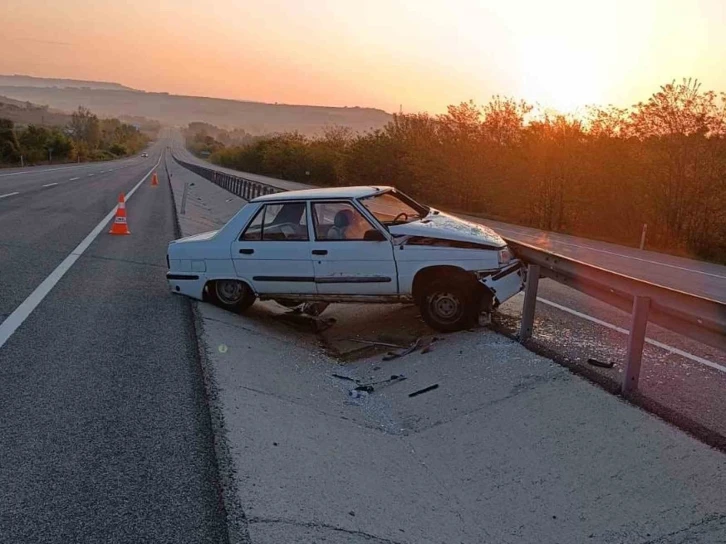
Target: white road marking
(39, 171)
(33, 171)
(73, 179)
(655, 343)
(21, 313)
(590, 248)
(9, 194)
(50, 184)
(89, 175)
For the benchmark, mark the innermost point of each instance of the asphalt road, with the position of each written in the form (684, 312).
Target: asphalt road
(105, 427)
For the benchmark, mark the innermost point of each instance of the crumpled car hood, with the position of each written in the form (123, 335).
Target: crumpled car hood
(447, 227)
(197, 237)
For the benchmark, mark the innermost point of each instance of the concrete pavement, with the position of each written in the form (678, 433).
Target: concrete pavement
(509, 448)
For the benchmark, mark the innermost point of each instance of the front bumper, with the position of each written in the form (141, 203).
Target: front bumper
(505, 282)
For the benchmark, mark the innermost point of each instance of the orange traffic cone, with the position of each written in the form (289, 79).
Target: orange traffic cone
(119, 225)
(154, 179)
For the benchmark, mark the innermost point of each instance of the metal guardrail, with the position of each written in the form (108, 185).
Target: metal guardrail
(240, 186)
(701, 319)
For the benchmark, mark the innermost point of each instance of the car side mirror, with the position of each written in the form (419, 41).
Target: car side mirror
(374, 235)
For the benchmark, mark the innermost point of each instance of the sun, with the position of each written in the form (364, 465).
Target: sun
(556, 75)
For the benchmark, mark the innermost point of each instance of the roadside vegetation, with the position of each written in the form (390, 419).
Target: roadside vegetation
(84, 137)
(600, 175)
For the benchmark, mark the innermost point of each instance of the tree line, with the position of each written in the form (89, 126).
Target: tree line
(84, 138)
(600, 175)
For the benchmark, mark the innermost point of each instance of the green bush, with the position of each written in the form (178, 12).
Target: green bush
(100, 155)
(85, 138)
(118, 150)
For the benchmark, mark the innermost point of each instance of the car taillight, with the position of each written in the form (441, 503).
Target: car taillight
(168, 266)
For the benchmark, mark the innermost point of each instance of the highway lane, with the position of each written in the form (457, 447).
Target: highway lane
(23, 181)
(105, 425)
(40, 225)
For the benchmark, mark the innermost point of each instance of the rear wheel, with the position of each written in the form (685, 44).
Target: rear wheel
(447, 306)
(232, 295)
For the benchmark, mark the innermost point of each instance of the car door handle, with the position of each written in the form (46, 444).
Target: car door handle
(320, 251)
(247, 251)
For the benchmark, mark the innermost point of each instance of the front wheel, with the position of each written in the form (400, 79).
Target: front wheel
(232, 295)
(448, 307)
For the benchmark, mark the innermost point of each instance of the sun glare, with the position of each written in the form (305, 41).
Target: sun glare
(558, 76)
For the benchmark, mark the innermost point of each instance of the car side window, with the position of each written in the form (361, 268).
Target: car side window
(279, 222)
(253, 232)
(339, 221)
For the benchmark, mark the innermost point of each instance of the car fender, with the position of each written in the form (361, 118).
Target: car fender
(407, 270)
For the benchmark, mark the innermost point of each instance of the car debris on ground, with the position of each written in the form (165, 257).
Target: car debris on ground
(601, 364)
(375, 343)
(424, 390)
(370, 387)
(422, 343)
(306, 322)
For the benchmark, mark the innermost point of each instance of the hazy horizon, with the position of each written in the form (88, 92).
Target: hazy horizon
(422, 56)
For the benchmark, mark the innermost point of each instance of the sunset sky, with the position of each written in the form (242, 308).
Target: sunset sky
(422, 54)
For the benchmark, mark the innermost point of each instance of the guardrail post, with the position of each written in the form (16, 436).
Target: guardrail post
(530, 301)
(636, 341)
(184, 199)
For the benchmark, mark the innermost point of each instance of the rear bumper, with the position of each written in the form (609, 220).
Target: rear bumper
(505, 283)
(189, 284)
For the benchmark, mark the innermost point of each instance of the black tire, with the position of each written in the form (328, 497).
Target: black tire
(449, 306)
(232, 295)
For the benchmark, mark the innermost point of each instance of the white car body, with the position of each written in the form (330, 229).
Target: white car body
(315, 267)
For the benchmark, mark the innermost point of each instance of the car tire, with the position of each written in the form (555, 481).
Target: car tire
(447, 306)
(232, 295)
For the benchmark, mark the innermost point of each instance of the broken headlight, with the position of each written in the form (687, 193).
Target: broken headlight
(505, 256)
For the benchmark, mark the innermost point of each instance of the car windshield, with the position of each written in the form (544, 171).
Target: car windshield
(393, 208)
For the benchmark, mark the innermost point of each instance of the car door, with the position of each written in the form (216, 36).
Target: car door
(273, 253)
(350, 255)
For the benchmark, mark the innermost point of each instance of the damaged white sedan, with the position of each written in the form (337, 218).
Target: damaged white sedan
(349, 244)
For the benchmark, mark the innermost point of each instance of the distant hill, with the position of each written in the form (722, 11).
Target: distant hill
(254, 117)
(30, 81)
(25, 113)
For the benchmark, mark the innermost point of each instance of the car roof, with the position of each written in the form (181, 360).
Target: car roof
(327, 193)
